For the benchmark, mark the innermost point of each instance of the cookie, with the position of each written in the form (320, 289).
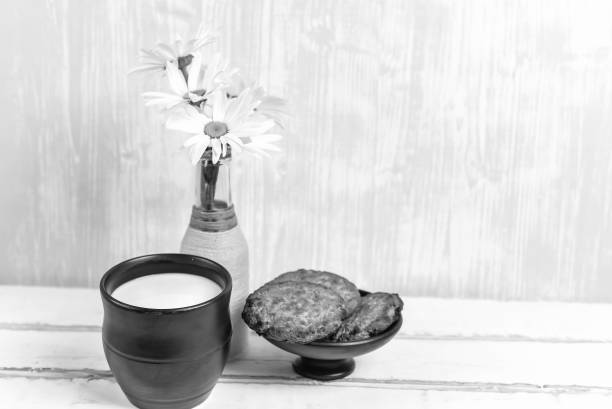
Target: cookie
(376, 313)
(347, 290)
(294, 311)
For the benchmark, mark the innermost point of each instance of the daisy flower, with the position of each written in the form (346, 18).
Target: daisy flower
(180, 52)
(269, 106)
(202, 81)
(232, 122)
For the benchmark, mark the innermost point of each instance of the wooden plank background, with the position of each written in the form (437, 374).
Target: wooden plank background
(438, 148)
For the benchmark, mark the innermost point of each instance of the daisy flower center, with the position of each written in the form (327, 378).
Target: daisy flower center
(215, 129)
(184, 61)
(199, 92)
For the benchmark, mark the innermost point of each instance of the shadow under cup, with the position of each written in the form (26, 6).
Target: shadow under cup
(166, 358)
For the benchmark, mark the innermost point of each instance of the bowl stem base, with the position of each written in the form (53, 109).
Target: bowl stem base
(324, 370)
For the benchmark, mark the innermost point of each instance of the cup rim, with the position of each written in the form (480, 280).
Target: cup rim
(185, 259)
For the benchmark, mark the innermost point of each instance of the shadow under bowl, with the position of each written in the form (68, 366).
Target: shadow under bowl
(327, 361)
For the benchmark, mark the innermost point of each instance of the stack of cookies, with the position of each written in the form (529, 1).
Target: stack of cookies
(308, 305)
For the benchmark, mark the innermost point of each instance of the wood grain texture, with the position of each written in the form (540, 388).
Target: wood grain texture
(52, 358)
(53, 309)
(105, 394)
(402, 361)
(438, 148)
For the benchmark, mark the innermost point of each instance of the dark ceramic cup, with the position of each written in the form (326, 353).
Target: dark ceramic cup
(166, 358)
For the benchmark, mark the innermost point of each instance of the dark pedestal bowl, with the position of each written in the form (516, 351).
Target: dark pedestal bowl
(327, 361)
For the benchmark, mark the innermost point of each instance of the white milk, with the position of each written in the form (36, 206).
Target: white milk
(167, 290)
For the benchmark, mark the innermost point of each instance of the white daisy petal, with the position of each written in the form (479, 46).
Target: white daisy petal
(234, 82)
(166, 51)
(203, 38)
(258, 92)
(157, 94)
(202, 43)
(232, 138)
(187, 46)
(211, 75)
(275, 108)
(219, 106)
(176, 79)
(253, 127)
(207, 111)
(162, 53)
(161, 98)
(193, 112)
(196, 151)
(146, 67)
(216, 149)
(279, 118)
(197, 139)
(238, 108)
(271, 101)
(144, 53)
(194, 72)
(179, 50)
(246, 104)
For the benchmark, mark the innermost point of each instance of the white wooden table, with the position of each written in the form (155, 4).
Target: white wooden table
(449, 354)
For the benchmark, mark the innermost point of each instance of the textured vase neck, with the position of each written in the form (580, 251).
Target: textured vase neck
(213, 210)
(212, 184)
(213, 220)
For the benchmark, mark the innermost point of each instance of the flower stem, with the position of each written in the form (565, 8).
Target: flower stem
(210, 172)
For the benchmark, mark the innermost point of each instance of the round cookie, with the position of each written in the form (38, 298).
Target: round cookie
(375, 314)
(347, 290)
(294, 311)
